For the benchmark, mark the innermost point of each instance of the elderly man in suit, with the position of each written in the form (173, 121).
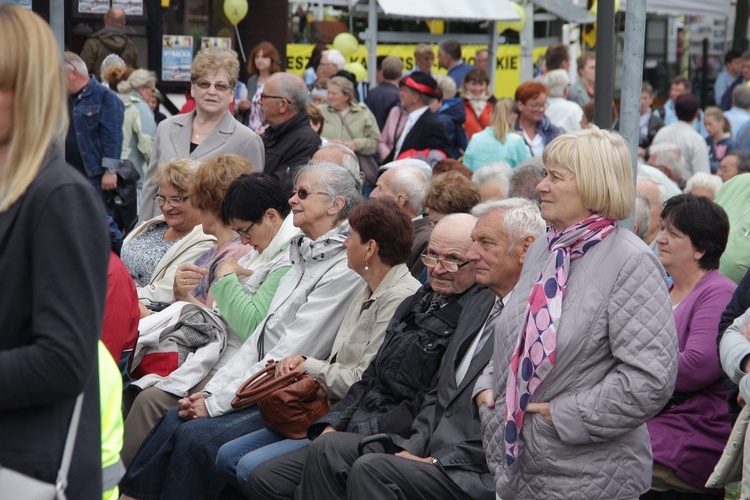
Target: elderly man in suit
(443, 457)
(417, 130)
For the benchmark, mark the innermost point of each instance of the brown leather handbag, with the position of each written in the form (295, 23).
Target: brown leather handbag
(288, 404)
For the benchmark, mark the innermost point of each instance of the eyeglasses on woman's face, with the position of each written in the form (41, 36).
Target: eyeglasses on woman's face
(174, 201)
(219, 86)
(537, 105)
(245, 233)
(450, 264)
(303, 193)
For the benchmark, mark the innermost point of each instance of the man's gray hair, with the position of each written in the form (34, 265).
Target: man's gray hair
(410, 180)
(495, 170)
(75, 60)
(663, 194)
(642, 215)
(669, 155)
(293, 89)
(349, 161)
(741, 96)
(334, 181)
(522, 218)
(557, 81)
(336, 57)
(526, 176)
(447, 85)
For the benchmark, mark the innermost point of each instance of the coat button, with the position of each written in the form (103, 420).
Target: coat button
(448, 413)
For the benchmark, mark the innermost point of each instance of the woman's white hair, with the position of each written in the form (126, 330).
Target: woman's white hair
(522, 218)
(705, 181)
(136, 80)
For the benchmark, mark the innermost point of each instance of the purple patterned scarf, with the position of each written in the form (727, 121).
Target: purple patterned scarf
(534, 356)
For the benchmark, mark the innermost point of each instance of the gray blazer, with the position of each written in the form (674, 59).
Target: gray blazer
(616, 365)
(445, 428)
(173, 140)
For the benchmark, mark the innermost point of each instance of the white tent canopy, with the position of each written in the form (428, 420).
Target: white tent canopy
(715, 8)
(459, 10)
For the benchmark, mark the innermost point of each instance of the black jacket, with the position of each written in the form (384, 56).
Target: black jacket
(289, 146)
(445, 427)
(380, 100)
(54, 250)
(392, 389)
(427, 133)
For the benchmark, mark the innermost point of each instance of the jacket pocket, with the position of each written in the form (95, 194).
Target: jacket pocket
(89, 115)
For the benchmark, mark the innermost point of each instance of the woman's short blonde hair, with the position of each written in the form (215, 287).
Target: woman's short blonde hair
(601, 163)
(214, 59)
(179, 172)
(31, 68)
(346, 86)
(212, 179)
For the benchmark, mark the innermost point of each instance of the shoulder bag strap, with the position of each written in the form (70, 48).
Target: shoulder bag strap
(62, 474)
(743, 138)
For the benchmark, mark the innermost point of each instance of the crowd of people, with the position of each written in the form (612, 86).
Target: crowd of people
(446, 264)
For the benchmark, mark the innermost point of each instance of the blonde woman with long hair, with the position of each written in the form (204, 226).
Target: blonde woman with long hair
(497, 142)
(54, 252)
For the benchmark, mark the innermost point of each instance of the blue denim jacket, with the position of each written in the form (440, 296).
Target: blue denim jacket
(98, 115)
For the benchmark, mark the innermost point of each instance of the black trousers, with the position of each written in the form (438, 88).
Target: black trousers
(333, 469)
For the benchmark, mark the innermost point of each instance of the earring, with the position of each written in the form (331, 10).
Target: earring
(366, 267)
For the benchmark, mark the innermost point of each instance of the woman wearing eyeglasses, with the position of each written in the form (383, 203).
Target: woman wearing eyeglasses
(176, 460)
(256, 209)
(532, 124)
(153, 251)
(208, 130)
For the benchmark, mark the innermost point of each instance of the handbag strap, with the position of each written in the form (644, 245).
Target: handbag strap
(346, 125)
(62, 474)
(263, 384)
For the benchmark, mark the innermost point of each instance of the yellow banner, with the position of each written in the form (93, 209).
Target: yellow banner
(507, 65)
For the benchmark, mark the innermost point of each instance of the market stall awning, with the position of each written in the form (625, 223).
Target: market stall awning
(459, 10)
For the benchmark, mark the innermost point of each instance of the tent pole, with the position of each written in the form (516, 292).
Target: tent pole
(527, 44)
(372, 27)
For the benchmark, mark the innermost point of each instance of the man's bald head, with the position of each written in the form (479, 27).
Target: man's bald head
(450, 240)
(114, 18)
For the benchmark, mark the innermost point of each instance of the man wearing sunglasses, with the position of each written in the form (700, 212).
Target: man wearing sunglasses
(289, 140)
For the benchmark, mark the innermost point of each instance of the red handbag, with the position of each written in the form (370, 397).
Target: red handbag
(288, 404)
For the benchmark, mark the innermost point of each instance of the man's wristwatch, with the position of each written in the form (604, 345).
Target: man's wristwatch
(111, 170)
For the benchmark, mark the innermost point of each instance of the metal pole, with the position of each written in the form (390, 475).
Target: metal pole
(632, 77)
(605, 63)
(372, 53)
(492, 54)
(527, 44)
